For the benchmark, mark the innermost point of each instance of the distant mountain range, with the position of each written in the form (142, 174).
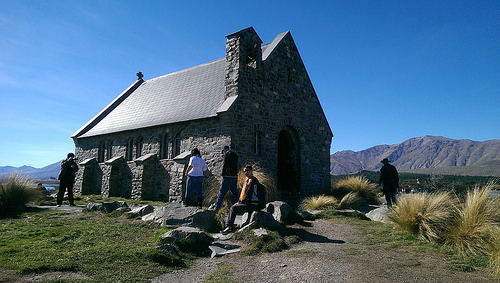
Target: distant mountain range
(427, 154)
(48, 172)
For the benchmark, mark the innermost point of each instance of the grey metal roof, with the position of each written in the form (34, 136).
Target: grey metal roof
(190, 94)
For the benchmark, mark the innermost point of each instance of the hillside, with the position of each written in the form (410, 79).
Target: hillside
(48, 172)
(428, 154)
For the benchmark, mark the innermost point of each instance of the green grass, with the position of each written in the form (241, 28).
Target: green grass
(106, 249)
(86, 199)
(223, 274)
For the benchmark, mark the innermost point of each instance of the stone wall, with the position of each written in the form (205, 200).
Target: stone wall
(148, 176)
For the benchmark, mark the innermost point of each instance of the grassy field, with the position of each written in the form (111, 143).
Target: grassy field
(105, 247)
(115, 248)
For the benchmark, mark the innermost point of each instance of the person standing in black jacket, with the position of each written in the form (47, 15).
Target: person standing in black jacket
(229, 177)
(390, 179)
(67, 179)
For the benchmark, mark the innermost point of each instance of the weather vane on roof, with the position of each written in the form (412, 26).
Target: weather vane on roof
(139, 75)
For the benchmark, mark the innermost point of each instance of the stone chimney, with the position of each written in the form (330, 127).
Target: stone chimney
(243, 56)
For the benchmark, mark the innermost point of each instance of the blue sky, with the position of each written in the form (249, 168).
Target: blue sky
(384, 71)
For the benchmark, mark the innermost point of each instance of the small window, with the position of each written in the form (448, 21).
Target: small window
(177, 144)
(164, 146)
(257, 143)
(100, 153)
(138, 147)
(109, 152)
(130, 150)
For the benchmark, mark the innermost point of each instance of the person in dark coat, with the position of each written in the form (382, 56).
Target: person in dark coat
(390, 179)
(229, 177)
(67, 179)
(252, 198)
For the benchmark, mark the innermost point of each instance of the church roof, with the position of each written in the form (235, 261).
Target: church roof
(190, 94)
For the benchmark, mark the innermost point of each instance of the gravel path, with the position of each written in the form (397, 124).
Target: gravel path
(331, 252)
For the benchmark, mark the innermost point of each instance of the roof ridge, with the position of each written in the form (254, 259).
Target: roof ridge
(187, 69)
(271, 46)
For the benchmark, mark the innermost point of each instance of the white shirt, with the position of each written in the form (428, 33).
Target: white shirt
(198, 165)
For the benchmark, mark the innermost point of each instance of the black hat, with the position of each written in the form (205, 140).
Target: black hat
(385, 160)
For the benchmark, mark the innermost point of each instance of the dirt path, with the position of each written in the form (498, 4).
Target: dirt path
(332, 252)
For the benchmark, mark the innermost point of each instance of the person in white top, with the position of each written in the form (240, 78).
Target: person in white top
(194, 173)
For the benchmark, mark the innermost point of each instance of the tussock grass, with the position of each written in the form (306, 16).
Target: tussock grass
(474, 230)
(470, 227)
(352, 200)
(319, 202)
(494, 264)
(212, 184)
(16, 192)
(426, 215)
(358, 184)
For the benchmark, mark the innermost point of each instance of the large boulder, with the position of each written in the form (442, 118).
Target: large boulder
(176, 214)
(142, 210)
(188, 239)
(261, 219)
(107, 206)
(378, 214)
(281, 212)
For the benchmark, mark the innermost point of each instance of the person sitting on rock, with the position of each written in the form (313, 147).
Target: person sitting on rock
(252, 198)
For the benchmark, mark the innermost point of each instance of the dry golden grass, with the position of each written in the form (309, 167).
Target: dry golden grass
(352, 200)
(475, 230)
(426, 215)
(495, 256)
(16, 192)
(319, 202)
(211, 186)
(359, 184)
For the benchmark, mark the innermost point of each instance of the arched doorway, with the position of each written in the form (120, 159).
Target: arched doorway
(288, 161)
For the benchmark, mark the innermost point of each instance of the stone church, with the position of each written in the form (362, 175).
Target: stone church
(259, 100)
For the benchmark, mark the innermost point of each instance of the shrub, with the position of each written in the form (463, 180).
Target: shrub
(16, 192)
(474, 230)
(359, 184)
(352, 200)
(425, 215)
(319, 202)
